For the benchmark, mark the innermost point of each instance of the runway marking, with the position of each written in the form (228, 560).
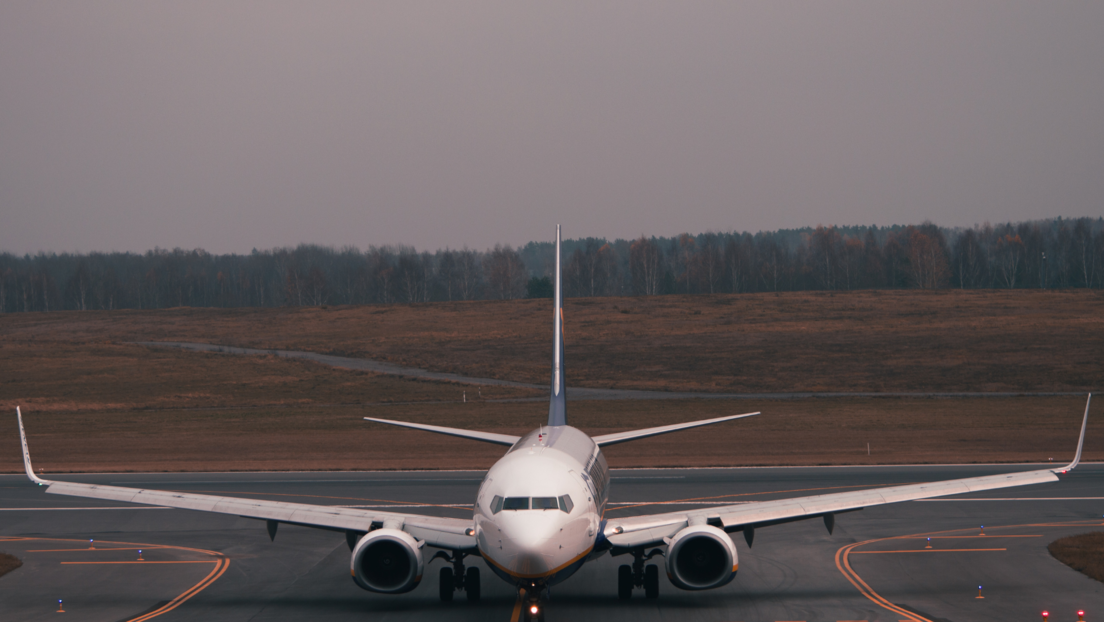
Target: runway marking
(843, 564)
(221, 563)
(751, 494)
(517, 606)
(197, 561)
(925, 551)
(974, 536)
(118, 548)
(852, 576)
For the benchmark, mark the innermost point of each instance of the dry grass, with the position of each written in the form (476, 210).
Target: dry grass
(1084, 553)
(8, 563)
(49, 376)
(809, 341)
(806, 432)
(95, 403)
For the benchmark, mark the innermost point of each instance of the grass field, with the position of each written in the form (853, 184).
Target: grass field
(95, 402)
(1084, 553)
(8, 563)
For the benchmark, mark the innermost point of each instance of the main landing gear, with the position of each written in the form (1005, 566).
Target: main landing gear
(456, 578)
(639, 575)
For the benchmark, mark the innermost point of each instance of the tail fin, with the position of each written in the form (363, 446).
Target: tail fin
(557, 405)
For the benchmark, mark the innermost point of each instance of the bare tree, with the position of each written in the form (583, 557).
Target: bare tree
(927, 263)
(646, 265)
(446, 272)
(710, 264)
(506, 273)
(969, 260)
(1084, 251)
(1010, 250)
(824, 249)
(469, 274)
(316, 286)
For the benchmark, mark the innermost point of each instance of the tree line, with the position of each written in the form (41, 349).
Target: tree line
(1056, 253)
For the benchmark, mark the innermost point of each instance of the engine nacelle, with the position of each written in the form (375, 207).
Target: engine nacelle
(701, 557)
(388, 561)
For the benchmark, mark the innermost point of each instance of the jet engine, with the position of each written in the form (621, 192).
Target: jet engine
(701, 557)
(388, 561)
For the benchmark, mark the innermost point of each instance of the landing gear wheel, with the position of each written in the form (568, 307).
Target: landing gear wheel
(471, 584)
(447, 585)
(651, 581)
(624, 582)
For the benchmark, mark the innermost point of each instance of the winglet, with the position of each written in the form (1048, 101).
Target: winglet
(27, 453)
(1080, 442)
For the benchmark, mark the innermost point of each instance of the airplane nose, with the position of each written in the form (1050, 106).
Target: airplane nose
(531, 536)
(531, 541)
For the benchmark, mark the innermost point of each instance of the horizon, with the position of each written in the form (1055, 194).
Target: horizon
(242, 124)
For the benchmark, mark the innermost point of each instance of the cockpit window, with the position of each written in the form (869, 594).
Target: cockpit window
(563, 503)
(545, 503)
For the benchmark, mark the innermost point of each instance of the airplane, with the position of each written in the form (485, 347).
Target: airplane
(539, 514)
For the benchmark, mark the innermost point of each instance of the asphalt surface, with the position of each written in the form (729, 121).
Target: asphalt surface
(573, 393)
(199, 566)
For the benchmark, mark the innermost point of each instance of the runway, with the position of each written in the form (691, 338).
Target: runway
(875, 566)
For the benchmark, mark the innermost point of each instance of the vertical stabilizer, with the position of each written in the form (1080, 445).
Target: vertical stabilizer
(557, 405)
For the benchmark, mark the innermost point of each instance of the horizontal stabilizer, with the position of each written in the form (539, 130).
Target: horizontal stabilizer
(486, 437)
(632, 435)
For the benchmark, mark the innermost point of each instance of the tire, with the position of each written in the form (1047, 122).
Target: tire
(624, 582)
(651, 581)
(447, 584)
(471, 584)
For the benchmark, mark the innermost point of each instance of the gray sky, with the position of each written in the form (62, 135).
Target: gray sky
(233, 125)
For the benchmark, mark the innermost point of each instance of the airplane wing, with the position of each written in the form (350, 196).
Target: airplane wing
(446, 533)
(640, 531)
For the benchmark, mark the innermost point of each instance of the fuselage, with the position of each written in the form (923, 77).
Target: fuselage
(538, 513)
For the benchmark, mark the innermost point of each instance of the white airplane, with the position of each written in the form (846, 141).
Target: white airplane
(539, 514)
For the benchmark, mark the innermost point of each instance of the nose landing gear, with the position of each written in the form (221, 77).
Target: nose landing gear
(456, 578)
(532, 607)
(639, 575)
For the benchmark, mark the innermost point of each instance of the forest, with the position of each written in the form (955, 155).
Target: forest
(1046, 254)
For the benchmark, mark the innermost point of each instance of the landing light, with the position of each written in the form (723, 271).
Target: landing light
(533, 610)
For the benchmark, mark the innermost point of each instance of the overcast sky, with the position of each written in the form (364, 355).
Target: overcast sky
(232, 125)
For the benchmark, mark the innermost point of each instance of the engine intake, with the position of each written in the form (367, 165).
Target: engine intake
(701, 557)
(388, 561)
